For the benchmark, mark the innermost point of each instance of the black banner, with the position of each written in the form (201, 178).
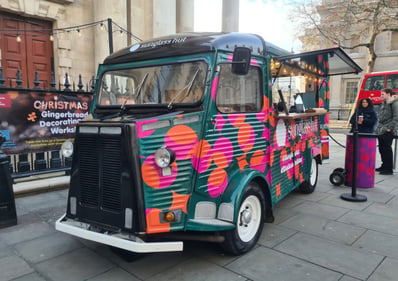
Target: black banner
(37, 122)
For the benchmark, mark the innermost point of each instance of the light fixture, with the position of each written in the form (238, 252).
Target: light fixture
(121, 32)
(164, 157)
(18, 38)
(78, 32)
(51, 37)
(102, 26)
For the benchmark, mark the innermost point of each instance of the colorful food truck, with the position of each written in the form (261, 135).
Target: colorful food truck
(189, 137)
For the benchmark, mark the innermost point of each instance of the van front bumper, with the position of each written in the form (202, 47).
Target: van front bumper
(119, 240)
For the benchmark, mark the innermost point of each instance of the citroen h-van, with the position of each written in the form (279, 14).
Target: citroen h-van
(185, 141)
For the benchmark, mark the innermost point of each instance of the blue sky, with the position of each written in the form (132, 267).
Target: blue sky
(268, 18)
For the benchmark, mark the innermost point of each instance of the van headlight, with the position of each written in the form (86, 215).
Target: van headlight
(164, 157)
(67, 148)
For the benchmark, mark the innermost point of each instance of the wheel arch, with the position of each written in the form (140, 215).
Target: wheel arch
(235, 190)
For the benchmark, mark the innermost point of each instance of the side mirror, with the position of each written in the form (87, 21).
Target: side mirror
(241, 60)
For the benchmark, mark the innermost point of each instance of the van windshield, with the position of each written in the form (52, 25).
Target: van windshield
(180, 83)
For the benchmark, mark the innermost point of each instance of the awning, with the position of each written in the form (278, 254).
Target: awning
(314, 63)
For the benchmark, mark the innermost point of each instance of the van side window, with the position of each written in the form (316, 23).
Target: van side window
(374, 83)
(392, 81)
(239, 93)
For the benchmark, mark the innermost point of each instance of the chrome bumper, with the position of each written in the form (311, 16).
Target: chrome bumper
(126, 242)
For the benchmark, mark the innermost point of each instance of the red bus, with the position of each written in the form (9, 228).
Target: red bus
(374, 82)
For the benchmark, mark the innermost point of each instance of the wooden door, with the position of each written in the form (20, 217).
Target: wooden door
(33, 53)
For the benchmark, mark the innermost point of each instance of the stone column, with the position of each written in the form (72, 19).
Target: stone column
(142, 19)
(164, 17)
(230, 16)
(185, 16)
(116, 10)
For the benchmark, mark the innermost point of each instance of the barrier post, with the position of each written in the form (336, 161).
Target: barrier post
(353, 196)
(8, 215)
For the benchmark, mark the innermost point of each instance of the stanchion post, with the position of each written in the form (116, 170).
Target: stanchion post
(353, 196)
(395, 152)
(8, 215)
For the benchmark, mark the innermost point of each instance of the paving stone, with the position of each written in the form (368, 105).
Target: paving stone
(47, 247)
(12, 267)
(5, 250)
(51, 215)
(78, 265)
(375, 195)
(325, 228)
(313, 197)
(274, 234)
(387, 271)
(332, 255)
(335, 200)
(277, 266)
(288, 202)
(115, 274)
(383, 210)
(41, 201)
(211, 252)
(281, 214)
(152, 264)
(321, 210)
(23, 232)
(30, 277)
(197, 270)
(348, 278)
(379, 243)
(371, 221)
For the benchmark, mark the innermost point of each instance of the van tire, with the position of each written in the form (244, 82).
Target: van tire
(308, 186)
(249, 223)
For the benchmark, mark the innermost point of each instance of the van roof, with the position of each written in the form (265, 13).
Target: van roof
(191, 43)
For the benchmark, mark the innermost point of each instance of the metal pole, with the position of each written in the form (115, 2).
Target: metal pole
(395, 153)
(110, 36)
(354, 197)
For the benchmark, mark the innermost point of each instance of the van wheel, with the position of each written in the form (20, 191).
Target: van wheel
(249, 224)
(308, 186)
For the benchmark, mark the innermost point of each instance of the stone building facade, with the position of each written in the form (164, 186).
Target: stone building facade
(344, 89)
(79, 45)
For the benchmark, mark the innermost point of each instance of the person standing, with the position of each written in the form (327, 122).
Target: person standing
(365, 117)
(387, 126)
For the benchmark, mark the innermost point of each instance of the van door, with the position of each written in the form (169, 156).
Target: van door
(235, 136)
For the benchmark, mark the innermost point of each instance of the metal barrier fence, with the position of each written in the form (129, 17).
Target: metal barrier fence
(42, 162)
(339, 113)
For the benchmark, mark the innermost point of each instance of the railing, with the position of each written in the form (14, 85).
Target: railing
(339, 113)
(39, 160)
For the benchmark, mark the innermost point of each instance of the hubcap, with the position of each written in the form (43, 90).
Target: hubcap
(249, 218)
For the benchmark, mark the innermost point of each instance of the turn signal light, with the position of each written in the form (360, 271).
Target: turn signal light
(170, 216)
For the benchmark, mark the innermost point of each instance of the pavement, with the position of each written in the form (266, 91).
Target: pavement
(314, 237)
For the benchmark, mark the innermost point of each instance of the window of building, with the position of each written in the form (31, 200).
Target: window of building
(351, 90)
(239, 93)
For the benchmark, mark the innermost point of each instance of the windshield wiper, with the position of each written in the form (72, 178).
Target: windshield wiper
(188, 86)
(141, 84)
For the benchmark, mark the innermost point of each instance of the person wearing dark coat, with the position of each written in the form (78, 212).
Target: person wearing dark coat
(364, 116)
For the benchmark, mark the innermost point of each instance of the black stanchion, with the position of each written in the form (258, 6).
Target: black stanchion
(8, 214)
(353, 196)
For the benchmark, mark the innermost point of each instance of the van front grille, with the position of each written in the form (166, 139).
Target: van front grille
(100, 170)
